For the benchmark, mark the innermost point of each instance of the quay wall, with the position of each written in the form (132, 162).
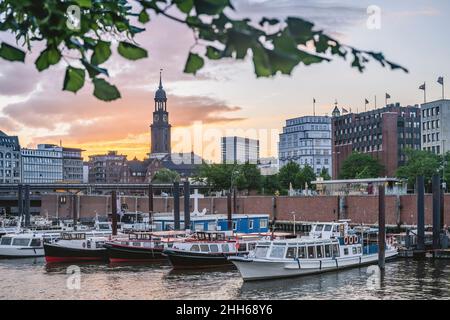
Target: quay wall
(401, 210)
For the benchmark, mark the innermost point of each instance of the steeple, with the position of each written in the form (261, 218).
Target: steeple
(160, 81)
(160, 95)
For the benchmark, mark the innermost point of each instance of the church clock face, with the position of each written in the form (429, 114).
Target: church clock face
(165, 118)
(156, 117)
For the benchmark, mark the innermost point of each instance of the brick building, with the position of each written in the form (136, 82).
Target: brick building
(382, 133)
(106, 168)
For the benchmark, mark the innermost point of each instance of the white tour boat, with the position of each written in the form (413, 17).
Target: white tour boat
(328, 247)
(24, 245)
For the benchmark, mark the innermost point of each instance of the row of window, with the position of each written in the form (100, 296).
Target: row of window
(306, 128)
(303, 152)
(434, 149)
(307, 120)
(431, 137)
(431, 112)
(433, 124)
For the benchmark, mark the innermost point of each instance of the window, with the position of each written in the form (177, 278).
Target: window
(214, 248)
(195, 248)
(35, 243)
(319, 250)
(250, 224)
(311, 252)
(263, 223)
(354, 250)
(328, 250)
(301, 252)
(204, 248)
(277, 251)
(251, 246)
(327, 227)
(6, 241)
(291, 253)
(21, 242)
(234, 225)
(345, 251)
(242, 247)
(261, 252)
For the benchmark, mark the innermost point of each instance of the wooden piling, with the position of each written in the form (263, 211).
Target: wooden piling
(114, 212)
(381, 227)
(420, 189)
(436, 184)
(229, 213)
(187, 209)
(176, 205)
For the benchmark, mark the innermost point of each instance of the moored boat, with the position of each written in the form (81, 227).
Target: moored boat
(76, 246)
(209, 249)
(141, 246)
(328, 247)
(24, 245)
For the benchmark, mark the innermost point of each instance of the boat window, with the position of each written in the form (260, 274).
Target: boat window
(277, 252)
(336, 250)
(214, 248)
(99, 244)
(35, 243)
(327, 227)
(311, 252)
(88, 244)
(6, 241)
(328, 250)
(242, 247)
(359, 250)
(136, 244)
(204, 248)
(261, 252)
(301, 252)
(319, 227)
(21, 242)
(251, 246)
(354, 250)
(147, 244)
(345, 251)
(335, 228)
(195, 247)
(290, 253)
(319, 250)
(225, 247)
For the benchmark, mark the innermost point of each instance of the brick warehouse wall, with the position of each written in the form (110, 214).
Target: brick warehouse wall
(360, 209)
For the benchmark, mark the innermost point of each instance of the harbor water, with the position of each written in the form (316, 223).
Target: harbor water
(34, 279)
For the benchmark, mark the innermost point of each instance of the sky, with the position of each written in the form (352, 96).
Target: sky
(225, 97)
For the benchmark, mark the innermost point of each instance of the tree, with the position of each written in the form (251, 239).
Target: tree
(79, 33)
(360, 166)
(324, 174)
(166, 176)
(270, 184)
(419, 163)
(288, 174)
(305, 176)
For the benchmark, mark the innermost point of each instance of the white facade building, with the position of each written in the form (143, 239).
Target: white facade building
(307, 141)
(10, 171)
(42, 165)
(436, 126)
(239, 150)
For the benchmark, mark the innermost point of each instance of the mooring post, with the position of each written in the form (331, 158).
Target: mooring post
(176, 205)
(27, 205)
(381, 228)
(234, 200)
(187, 209)
(150, 204)
(20, 200)
(229, 213)
(420, 186)
(114, 212)
(436, 184)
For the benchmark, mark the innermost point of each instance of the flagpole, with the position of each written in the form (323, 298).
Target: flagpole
(425, 93)
(443, 95)
(314, 107)
(375, 101)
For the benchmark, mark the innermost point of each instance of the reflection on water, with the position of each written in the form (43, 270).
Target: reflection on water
(402, 279)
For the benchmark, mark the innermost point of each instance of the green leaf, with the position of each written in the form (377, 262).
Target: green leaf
(213, 53)
(184, 6)
(74, 79)
(104, 90)
(301, 30)
(210, 7)
(11, 53)
(102, 52)
(193, 63)
(131, 51)
(84, 3)
(261, 62)
(48, 57)
(92, 69)
(143, 17)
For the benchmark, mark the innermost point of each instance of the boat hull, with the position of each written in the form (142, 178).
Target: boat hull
(260, 269)
(55, 254)
(192, 260)
(119, 253)
(21, 252)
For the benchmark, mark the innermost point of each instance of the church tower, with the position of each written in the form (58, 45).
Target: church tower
(160, 128)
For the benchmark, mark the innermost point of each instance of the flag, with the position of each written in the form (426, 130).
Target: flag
(367, 101)
(422, 87)
(344, 110)
(388, 96)
(441, 80)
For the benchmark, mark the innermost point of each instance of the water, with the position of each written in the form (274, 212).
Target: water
(403, 279)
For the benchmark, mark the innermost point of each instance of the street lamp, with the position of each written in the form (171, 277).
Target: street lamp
(293, 213)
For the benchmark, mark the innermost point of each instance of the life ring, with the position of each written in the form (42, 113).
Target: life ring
(355, 240)
(84, 245)
(345, 240)
(350, 240)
